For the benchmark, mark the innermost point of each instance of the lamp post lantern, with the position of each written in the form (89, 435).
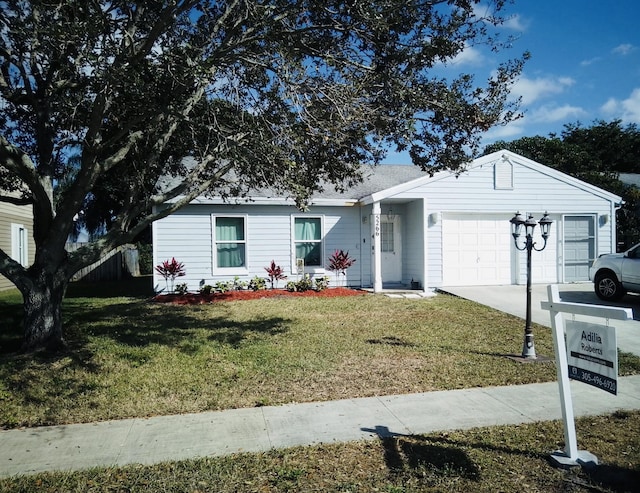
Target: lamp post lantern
(517, 222)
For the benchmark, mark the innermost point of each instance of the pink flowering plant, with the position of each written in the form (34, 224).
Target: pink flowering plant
(275, 274)
(170, 270)
(339, 262)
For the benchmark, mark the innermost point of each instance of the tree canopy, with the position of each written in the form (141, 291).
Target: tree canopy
(101, 99)
(597, 155)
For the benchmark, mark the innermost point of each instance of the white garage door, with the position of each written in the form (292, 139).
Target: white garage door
(476, 251)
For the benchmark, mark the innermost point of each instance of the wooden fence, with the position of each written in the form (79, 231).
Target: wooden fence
(119, 263)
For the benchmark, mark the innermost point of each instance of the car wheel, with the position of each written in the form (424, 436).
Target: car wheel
(607, 287)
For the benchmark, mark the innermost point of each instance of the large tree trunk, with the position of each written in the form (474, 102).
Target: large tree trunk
(43, 312)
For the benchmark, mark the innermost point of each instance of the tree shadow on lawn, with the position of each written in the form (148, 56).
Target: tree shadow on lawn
(440, 457)
(420, 455)
(141, 324)
(44, 379)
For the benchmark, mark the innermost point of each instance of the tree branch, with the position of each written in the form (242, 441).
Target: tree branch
(13, 270)
(20, 201)
(20, 164)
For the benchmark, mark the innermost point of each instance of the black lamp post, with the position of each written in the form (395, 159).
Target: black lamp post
(517, 221)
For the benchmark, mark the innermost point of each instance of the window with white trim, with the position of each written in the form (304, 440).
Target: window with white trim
(19, 244)
(307, 240)
(229, 243)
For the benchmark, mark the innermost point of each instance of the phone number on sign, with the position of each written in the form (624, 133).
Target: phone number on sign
(600, 381)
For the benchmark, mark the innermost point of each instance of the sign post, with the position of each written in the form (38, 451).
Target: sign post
(571, 456)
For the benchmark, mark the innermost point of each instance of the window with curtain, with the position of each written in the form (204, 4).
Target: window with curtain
(230, 242)
(308, 240)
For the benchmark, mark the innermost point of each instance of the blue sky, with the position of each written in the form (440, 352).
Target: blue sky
(584, 66)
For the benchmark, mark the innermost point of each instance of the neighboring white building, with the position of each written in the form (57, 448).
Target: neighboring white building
(16, 235)
(401, 225)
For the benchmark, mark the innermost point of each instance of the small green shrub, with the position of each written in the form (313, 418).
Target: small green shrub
(237, 284)
(304, 284)
(145, 258)
(182, 288)
(222, 286)
(321, 283)
(258, 283)
(206, 289)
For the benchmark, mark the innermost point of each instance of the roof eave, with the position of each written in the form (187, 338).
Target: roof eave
(330, 202)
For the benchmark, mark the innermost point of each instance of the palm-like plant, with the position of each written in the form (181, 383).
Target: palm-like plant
(339, 262)
(275, 273)
(170, 270)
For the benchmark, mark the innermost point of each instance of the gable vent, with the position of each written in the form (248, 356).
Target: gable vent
(503, 175)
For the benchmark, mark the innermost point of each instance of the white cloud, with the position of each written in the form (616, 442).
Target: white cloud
(548, 114)
(590, 61)
(627, 110)
(516, 23)
(532, 90)
(504, 132)
(611, 107)
(623, 49)
(468, 56)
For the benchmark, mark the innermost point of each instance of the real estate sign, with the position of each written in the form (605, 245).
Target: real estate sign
(592, 354)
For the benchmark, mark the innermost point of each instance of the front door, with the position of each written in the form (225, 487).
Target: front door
(579, 247)
(391, 246)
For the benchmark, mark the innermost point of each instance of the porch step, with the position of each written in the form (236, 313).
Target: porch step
(413, 295)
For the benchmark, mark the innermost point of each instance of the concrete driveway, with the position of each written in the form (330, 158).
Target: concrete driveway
(512, 299)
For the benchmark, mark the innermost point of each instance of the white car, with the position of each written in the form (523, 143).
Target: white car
(615, 274)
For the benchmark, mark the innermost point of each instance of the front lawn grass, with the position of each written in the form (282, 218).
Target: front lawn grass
(129, 357)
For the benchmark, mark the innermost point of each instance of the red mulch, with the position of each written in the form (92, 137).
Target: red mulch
(199, 299)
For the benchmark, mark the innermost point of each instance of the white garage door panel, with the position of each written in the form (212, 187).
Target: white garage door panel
(476, 251)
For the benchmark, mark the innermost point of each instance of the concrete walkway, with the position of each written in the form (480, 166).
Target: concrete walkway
(166, 438)
(512, 299)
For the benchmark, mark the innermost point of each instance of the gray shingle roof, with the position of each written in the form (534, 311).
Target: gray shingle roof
(376, 179)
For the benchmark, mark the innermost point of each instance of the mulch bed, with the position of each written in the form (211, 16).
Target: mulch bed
(199, 299)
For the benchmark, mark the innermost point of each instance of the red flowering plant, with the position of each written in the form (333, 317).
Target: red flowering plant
(275, 273)
(339, 262)
(170, 270)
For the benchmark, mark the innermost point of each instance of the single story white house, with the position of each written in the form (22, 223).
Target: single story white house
(401, 225)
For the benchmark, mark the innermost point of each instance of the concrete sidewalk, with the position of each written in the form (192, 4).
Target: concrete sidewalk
(167, 438)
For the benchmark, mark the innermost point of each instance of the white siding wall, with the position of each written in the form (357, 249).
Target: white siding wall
(414, 234)
(187, 236)
(533, 191)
